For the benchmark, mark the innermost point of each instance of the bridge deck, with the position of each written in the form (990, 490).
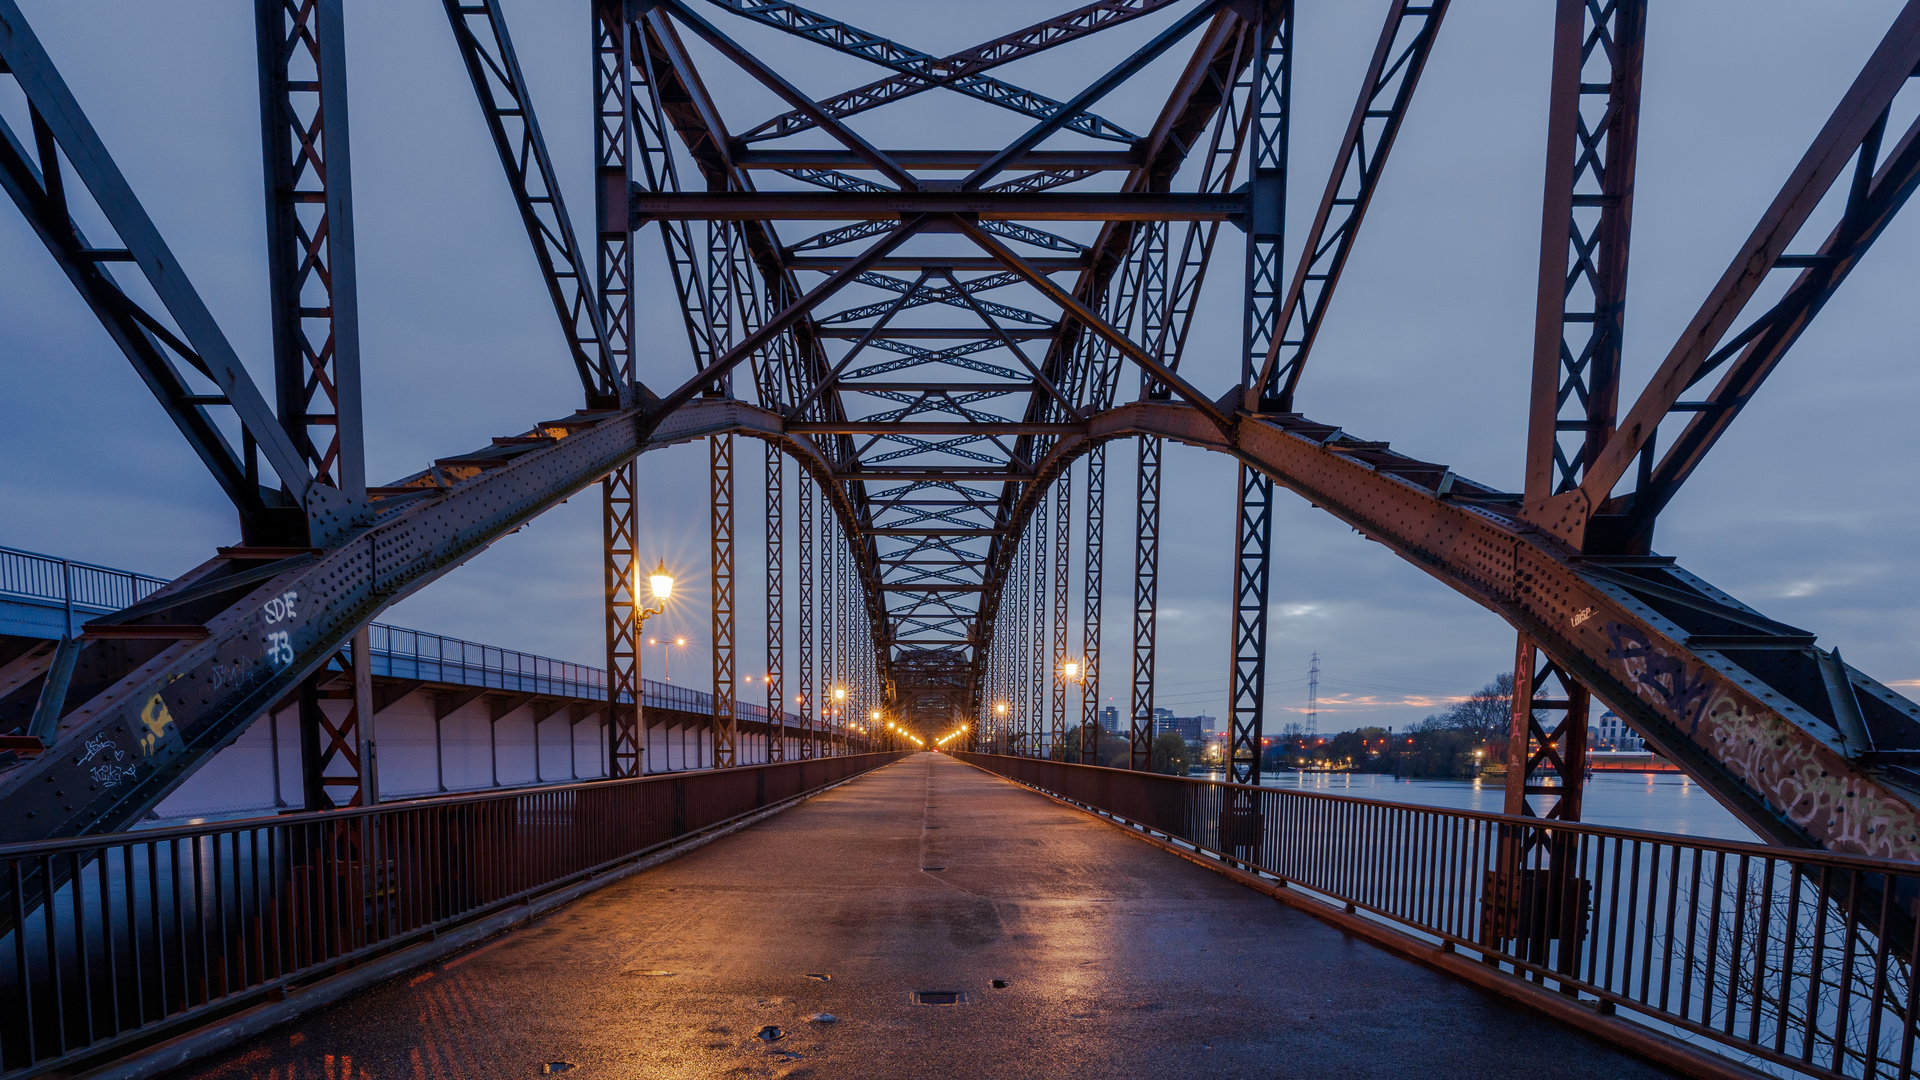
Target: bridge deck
(1119, 960)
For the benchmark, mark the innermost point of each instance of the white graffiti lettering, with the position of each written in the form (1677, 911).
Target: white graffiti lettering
(281, 607)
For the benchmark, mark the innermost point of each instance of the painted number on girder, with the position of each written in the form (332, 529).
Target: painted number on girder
(279, 642)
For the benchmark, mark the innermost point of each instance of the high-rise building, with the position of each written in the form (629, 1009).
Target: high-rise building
(1110, 719)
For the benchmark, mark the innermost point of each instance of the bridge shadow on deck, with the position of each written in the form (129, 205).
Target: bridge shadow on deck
(1119, 961)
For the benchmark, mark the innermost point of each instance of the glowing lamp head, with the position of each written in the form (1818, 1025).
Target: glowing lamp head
(1000, 708)
(661, 581)
(680, 641)
(1070, 670)
(839, 693)
(874, 715)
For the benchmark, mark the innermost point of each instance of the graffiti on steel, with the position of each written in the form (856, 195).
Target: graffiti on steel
(1805, 780)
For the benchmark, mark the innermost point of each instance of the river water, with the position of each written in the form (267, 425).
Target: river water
(1656, 802)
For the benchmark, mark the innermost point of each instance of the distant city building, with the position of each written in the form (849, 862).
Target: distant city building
(1610, 732)
(1110, 718)
(1189, 727)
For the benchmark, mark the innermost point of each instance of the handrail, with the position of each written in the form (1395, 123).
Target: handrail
(1800, 958)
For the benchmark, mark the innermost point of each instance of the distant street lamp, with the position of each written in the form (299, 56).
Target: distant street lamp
(666, 647)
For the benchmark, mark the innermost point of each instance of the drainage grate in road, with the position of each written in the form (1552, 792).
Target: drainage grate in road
(938, 997)
(932, 869)
(999, 984)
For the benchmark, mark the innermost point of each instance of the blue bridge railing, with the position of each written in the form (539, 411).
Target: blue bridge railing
(397, 652)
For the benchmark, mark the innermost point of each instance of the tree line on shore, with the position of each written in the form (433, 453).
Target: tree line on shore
(1455, 742)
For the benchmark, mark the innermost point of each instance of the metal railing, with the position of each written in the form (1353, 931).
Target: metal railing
(114, 942)
(416, 654)
(397, 652)
(25, 575)
(1795, 962)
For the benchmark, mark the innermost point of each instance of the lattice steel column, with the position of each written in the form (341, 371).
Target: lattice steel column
(619, 495)
(1593, 123)
(1146, 601)
(844, 618)
(828, 672)
(776, 609)
(725, 734)
(1535, 745)
(803, 532)
(334, 753)
(1537, 899)
(1090, 604)
(1063, 532)
(1246, 704)
(310, 264)
(1271, 79)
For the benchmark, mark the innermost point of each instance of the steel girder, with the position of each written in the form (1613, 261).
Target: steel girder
(310, 254)
(486, 49)
(1385, 93)
(1853, 135)
(170, 681)
(308, 509)
(1804, 749)
(1593, 132)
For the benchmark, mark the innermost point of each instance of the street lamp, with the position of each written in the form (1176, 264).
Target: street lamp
(839, 714)
(1071, 671)
(666, 648)
(661, 583)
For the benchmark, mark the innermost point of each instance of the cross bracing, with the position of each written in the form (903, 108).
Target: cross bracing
(939, 337)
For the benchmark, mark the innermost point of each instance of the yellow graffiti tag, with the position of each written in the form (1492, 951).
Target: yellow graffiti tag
(157, 719)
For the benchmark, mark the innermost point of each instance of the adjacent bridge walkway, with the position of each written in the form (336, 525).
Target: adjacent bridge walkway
(1117, 959)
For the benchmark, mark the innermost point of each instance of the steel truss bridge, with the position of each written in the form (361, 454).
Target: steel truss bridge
(944, 362)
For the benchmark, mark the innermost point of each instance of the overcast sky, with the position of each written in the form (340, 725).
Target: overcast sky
(1805, 510)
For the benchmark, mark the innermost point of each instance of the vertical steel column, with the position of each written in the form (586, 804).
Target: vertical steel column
(1020, 705)
(803, 532)
(362, 718)
(776, 609)
(1146, 601)
(1557, 745)
(332, 753)
(1063, 529)
(844, 619)
(619, 496)
(1269, 94)
(1041, 676)
(1538, 886)
(310, 264)
(724, 730)
(1090, 604)
(1246, 706)
(1593, 123)
(828, 672)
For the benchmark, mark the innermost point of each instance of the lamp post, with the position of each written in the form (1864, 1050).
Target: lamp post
(660, 583)
(1071, 671)
(666, 652)
(840, 718)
